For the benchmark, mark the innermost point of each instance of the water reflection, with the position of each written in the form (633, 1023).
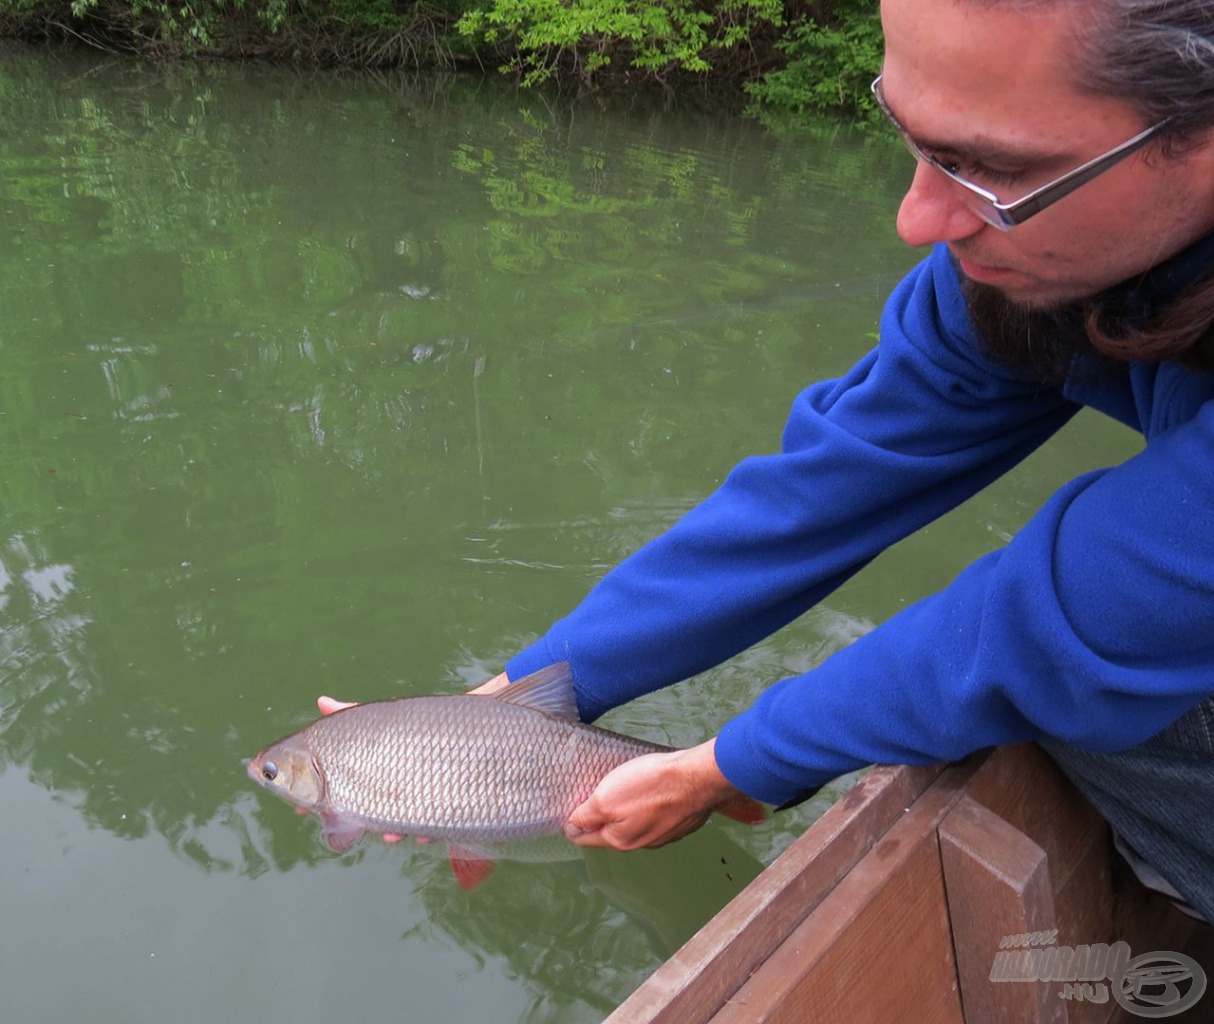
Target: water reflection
(600, 913)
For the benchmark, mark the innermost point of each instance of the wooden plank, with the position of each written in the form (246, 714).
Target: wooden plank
(1028, 791)
(998, 884)
(1023, 786)
(853, 923)
(695, 982)
(1084, 902)
(878, 947)
(1096, 897)
(1084, 913)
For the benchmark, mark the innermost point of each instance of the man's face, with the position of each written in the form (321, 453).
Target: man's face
(991, 89)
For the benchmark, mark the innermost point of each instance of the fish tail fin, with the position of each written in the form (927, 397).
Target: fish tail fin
(745, 810)
(470, 867)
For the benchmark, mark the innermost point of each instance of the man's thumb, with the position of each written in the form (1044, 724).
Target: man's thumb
(584, 819)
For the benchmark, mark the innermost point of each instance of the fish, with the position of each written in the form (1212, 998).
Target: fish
(477, 771)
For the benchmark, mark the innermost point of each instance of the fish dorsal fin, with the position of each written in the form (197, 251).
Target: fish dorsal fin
(549, 690)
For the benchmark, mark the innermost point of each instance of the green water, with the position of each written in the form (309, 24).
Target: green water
(313, 384)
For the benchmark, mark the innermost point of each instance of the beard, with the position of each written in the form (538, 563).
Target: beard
(1165, 313)
(1039, 343)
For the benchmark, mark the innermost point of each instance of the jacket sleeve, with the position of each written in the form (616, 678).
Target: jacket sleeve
(1094, 626)
(919, 425)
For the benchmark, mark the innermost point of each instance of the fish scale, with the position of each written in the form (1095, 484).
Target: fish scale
(520, 774)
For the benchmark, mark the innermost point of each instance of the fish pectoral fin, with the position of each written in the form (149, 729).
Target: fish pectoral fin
(338, 833)
(470, 867)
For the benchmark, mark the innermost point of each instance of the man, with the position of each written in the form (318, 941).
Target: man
(1093, 631)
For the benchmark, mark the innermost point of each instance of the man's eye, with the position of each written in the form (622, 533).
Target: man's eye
(945, 161)
(993, 175)
(976, 171)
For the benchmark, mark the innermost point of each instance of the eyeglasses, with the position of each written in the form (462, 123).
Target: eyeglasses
(1006, 216)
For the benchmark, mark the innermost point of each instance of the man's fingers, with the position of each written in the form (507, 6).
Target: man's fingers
(328, 705)
(586, 823)
(498, 682)
(590, 826)
(589, 839)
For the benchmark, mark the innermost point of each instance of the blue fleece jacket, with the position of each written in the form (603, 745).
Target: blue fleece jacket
(1095, 625)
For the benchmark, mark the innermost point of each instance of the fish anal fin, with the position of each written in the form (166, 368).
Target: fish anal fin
(549, 690)
(470, 867)
(338, 833)
(745, 810)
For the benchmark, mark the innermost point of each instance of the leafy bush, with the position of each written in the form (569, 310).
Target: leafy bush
(586, 37)
(829, 65)
(828, 57)
(190, 25)
(414, 33)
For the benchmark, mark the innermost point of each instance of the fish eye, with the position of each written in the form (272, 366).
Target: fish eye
(269, 771)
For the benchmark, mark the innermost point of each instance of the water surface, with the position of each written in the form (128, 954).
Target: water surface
(312, 384)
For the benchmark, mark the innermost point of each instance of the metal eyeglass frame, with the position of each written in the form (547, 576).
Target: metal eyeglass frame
(1006, 216)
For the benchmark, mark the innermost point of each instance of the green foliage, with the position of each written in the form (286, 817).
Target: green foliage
(587, 37)
(829, 65)
(376, 15)
(827, 59)
(338, 31)
(18, 10)
(191, 26)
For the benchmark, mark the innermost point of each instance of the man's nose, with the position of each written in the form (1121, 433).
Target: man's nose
(932, 211)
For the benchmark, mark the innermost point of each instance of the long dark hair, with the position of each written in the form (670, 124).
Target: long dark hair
(1158, 57)
(1183, 332)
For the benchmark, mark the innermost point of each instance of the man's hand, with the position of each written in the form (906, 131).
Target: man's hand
(653, 800)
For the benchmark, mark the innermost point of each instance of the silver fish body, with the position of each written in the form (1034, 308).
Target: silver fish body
(469, 769)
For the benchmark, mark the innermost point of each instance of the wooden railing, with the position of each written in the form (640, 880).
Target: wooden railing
(893, 905)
